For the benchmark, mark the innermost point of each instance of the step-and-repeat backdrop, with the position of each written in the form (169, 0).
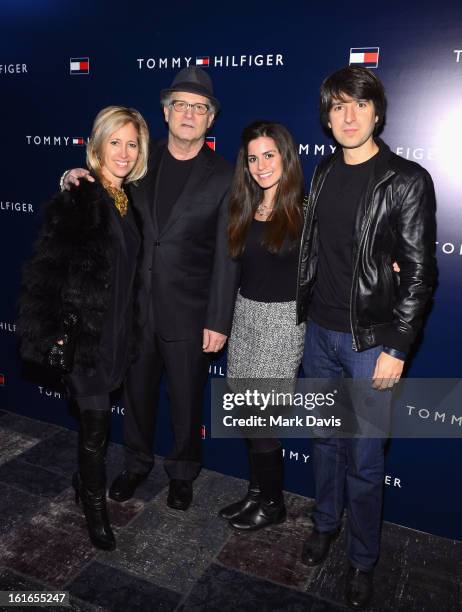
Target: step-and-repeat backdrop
(60, 62)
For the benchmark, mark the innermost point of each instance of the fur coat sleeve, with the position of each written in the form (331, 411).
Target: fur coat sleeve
(70, 270)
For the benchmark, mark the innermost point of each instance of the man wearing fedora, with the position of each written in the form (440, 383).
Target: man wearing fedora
(188, 286)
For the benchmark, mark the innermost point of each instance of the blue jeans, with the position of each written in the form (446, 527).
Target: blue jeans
(347, 470)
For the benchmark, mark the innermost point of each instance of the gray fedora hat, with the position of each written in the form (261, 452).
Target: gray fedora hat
(193, 80)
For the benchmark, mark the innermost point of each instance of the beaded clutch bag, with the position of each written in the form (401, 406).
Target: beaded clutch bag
(61, 355)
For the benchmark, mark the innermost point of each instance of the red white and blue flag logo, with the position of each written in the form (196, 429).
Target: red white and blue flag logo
(203, 61)
(366, 57)
(210, 142)
(80, 65)
(79, 141)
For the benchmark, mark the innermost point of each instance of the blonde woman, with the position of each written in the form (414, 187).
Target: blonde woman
(77, 306)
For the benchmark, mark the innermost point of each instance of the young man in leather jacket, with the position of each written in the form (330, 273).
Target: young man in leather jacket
(367, 209)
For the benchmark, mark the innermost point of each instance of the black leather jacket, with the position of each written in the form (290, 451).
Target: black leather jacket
(395, 222)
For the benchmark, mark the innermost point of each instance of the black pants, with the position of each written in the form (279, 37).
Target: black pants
(262, 445)
(186, 367)
(94, 402)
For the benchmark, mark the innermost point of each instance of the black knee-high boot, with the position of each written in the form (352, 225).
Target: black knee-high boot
(251, 499)
(270, 509)
(90, 482)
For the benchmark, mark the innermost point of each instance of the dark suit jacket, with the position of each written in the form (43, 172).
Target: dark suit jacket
(185, 268)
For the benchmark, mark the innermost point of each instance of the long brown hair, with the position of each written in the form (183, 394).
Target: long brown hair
(246, 194)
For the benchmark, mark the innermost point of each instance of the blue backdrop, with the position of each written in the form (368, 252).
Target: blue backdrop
(267, 61)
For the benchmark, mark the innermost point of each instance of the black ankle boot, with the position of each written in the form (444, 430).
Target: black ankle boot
(90, 483)
(270, 510)
(266, 513)
(249, 502)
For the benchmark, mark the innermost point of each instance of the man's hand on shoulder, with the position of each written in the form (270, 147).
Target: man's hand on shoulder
(71, 177)
(213, 341)
(387, 371)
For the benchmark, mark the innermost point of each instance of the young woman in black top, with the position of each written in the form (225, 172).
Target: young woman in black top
(266, 217)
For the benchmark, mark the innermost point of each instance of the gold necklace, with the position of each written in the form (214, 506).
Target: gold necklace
(120, 198)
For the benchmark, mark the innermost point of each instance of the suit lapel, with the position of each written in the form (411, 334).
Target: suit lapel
(201, 170)
(144, 193)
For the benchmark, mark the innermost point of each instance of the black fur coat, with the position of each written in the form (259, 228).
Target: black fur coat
(70, 270)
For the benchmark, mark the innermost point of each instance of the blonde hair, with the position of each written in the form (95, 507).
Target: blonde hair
(108, 121)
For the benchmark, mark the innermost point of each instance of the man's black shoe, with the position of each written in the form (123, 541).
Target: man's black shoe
(125, 485)
(316, 546)
(359, 588)
(180, 494)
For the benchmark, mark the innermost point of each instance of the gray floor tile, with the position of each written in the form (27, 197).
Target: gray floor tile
(32, 478)
(225, 590)
(30, 427)
(431, 571)
(48, 555)
(57, 453)
(171, 548)
(13, 443)
(16, 507)
(119, 591)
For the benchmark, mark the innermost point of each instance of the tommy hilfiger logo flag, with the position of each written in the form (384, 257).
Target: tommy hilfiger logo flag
(202, 61)
(210, 142)
(80, 65)
(367, 57)
(78, 141)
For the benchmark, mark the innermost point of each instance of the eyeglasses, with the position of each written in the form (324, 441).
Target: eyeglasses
(181, 106)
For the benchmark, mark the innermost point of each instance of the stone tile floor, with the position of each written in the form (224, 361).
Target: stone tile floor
(170, 560)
